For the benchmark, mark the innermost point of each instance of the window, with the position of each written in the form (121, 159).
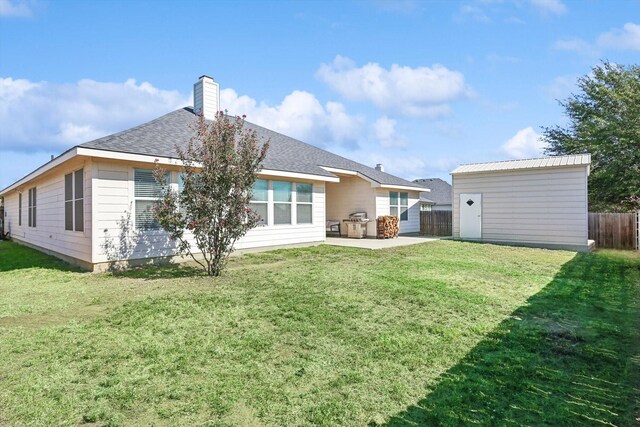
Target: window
(399, 205)
(425, 207)
(260, 201)
(19, 208)
(304, 194)
(32, 207)
(146, 192)
(281, 202)
(181, 177)
(74, 201)
(180, 182)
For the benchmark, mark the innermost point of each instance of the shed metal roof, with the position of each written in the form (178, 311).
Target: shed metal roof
(538, 163)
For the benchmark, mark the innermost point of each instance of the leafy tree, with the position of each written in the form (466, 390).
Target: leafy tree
(220, 167)
(604, 120)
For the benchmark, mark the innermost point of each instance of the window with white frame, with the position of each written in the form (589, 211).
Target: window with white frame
(399, 205)
(260, 201)
(304, 203)
(181, 177)
(32, 207)
(146, 192)
(282, 202)
(74, 201)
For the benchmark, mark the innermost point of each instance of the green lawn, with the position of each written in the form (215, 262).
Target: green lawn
(442, 333)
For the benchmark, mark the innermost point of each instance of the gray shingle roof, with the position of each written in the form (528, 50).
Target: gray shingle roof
(160, 136)
(440, 191)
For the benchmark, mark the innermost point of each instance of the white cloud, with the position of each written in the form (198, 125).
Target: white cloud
(576, 45)
(406, 165)
(555, 7)
(418, 92)
(561, 87)
(299, 115)
(474, 13)
(384, 130)
(15, 8)
(53, 117)
(627, 38)
(16, 164)
(524, 144)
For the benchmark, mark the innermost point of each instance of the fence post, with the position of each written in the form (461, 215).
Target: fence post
(638, 230)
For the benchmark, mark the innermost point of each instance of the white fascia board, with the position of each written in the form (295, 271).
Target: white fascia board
(285, 174)
(522, 169)
(341, 171)
(373, 182)
(118, 155)
(42, 169)
(142, 158)
(405, 187)
(177, 162)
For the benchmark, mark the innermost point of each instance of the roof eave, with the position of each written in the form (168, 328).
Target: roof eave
(67, 155)
(143, 158)
(374, 183)
(403, 187)
(473, 172)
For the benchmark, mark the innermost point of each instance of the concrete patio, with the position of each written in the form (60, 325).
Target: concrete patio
(372, 243)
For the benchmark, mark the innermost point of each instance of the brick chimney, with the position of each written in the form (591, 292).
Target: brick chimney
(206, 97)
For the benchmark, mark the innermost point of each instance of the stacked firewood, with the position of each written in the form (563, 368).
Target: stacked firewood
(388, 227)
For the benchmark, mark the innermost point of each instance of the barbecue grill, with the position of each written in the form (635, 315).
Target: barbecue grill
(357, 225)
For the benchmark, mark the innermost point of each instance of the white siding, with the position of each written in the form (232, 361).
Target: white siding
(277, 235)
(50, 233)
(412, 224)
(115, 235)
(351, 194)
(113, 185)
(537, 206)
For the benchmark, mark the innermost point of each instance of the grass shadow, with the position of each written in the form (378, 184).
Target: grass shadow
(571, 356)
(14, 256)
(160, 271)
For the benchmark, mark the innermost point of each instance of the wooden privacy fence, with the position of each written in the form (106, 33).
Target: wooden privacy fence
(614, 230)
(436, 223)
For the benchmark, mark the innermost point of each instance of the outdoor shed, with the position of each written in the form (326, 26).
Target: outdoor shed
(533, 202)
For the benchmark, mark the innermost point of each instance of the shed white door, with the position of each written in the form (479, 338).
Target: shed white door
(470, 215)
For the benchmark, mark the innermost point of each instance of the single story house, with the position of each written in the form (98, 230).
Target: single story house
(92, 204)
(439, 198)
(534, 202)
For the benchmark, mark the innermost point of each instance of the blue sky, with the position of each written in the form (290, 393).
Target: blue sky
(419, 86)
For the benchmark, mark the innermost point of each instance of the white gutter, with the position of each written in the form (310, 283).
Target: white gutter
(119, 155)
(143, 158)
(299, 175)
(404, 187)
(42, 169)
(374, 183)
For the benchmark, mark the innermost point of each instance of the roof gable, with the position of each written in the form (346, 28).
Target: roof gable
(440, 191)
